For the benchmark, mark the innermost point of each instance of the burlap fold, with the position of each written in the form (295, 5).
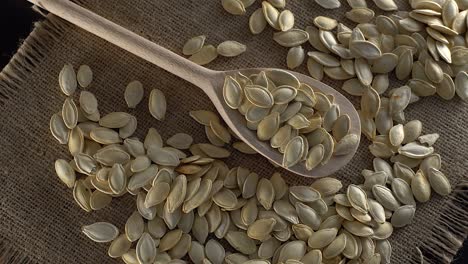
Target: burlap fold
(40, 222)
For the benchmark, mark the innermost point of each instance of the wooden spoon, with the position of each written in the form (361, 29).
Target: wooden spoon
(211, 82)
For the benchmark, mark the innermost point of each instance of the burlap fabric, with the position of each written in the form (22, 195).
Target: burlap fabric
(40, 222)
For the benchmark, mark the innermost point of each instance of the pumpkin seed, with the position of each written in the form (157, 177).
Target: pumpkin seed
(290, 38)
(146, 249)
(363, 71)
(193, 45)
(271, 15)
(241, 242)
(386, 5)
(439, 182)
(257, 22)
(234, 7)
(134, 93)
(70, 113)
(261, 229)
(134, 227)
(286, 20)
(403, 215)
(461, 89)
(157, 104)
(322, 238)
(67, 80)
(88, 102)
(100, 232)
(385, 197)
(402, 191)
(208, 52)
(295, 57)
(231, 48)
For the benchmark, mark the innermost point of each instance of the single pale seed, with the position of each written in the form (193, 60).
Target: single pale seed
(439, 182)
(234, 7)
(115, 120)
(157, 104)
(271, 14)
(257, 22)
(230, 48)
(206, 54)
(193, 45)
(291, 38)
(146, 249)
(295, 57)
(286, 20)
(67, 80)
(70, 113)
(133, 94)
(88, 102)
(101, 232)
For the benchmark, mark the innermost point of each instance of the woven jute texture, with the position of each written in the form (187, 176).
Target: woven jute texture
(40, 222)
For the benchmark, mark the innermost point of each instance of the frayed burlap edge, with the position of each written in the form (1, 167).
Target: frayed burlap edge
(446, 236)
(30, 52)
(448, 233)
(10, 255)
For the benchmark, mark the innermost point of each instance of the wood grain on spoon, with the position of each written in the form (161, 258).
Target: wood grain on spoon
(211, 82)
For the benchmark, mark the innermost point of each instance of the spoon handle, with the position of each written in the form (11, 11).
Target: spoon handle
(129, 41)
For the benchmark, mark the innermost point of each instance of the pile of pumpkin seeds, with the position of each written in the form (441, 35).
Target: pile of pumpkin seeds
(426, 46)
(299, 122)
(203, 54)
(187, 203)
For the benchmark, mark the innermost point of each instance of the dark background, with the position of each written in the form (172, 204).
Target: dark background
(16, 22)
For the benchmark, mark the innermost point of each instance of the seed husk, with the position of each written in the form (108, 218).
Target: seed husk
(363, 71)
(119, 246)
(193, 45)
(234, 7)
(88, 102)
(65, 172)
(133, 93)
(146, 249)
(206, 54)
(241, 242)
(67, 80)
(257, 22)
(439, 182)
(244, 148)
(157, 104)
(295, 57)
(286, 210)
(291, 38)
(70, 113)
(385, 197)
(271, 15)
(358, 198)
(134, 227)
(403, 216)
(405, 64)
(230, 48)
(402, 191)
(385, 64)
(204, 117)
(115, 120)
(461, 81)
(322, 238)
(293, 152)
(101, 232)
(286, 20)
(360, 15)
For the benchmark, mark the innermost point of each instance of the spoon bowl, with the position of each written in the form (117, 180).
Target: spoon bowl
(237, 122)
(211, 82)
